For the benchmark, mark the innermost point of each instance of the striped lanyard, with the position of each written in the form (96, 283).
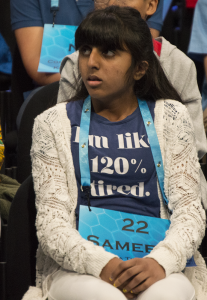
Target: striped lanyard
(83, 146)
(54, 7)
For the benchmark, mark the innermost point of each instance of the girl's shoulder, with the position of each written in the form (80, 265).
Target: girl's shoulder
(53, 113)
(174, 104)
(172, 108)
(178, 109)
(53, 121)
(171, 115)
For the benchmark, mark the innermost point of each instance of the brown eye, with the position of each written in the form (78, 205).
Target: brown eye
(109, 53)
(85, 50)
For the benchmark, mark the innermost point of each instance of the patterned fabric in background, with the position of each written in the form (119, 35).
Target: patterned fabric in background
(8, 189)
(1, 149)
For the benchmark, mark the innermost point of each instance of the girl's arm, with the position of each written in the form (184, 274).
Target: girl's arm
(183, 190)
(56, 198)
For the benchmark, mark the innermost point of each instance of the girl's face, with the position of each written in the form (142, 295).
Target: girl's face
(104, 72)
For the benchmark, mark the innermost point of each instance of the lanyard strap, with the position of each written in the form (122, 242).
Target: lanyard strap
(83, 149)
(83, 146)
(54, 7)
(83, 143)
(154, 144)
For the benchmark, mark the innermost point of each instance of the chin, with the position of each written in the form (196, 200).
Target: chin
(96, 95)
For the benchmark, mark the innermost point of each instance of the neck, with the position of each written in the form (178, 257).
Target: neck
(117, 109)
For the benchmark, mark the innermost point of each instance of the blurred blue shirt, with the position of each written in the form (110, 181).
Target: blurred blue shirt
(5, 57)
(29, 13)
(156, 21)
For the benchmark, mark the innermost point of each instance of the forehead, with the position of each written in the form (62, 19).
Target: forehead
(140, 5)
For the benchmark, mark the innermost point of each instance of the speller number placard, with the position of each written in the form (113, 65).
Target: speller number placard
(124, 234)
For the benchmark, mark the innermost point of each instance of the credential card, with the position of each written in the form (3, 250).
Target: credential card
(58, 41)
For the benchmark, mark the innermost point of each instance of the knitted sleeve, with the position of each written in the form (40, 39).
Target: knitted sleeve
(182, 188)
(57, 236)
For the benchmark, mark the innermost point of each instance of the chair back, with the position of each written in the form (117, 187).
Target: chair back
(40, 101)
(21, 242)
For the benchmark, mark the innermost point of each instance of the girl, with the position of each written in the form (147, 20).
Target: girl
(117, 66)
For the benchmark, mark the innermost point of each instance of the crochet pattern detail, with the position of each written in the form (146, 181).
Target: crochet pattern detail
(60, 244)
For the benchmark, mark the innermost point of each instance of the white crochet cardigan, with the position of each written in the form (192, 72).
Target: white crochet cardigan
(56, 198)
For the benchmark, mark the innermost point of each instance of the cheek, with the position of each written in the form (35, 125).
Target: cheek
(120, 74)
(121, 71)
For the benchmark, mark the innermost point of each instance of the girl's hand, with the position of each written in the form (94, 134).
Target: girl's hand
(136, 275)
(107, 271)
(109, 268)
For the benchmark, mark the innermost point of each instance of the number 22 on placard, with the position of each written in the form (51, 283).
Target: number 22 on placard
(131, 223)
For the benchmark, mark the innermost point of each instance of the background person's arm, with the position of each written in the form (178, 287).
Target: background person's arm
(29, 40)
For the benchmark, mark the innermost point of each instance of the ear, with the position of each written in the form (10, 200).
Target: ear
(151, 7)
(141, 70)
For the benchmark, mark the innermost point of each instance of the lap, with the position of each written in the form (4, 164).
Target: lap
(68, 285)
(174, 287)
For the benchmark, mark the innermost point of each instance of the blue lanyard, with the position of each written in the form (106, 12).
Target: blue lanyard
(83, 149)
(154, 144)
(83, 146)
(54, 7)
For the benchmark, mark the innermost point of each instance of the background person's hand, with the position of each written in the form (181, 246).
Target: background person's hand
(136, 275)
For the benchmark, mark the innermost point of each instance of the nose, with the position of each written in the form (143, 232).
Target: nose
(94, 59)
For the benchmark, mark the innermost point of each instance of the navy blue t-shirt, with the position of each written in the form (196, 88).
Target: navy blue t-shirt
(123, 175)
(29, 13)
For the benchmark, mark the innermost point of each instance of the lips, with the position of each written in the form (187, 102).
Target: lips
(94, 81)
(93, 78)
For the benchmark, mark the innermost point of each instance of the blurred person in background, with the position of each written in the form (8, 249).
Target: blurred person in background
(198, 46)
(29, 16)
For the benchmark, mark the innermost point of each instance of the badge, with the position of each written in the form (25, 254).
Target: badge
(58, 41)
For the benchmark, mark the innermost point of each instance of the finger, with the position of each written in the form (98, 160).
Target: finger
(129, 295)
(126, 275)
(123, 266)
(136, 281)
(121, 287)
(143, 286)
